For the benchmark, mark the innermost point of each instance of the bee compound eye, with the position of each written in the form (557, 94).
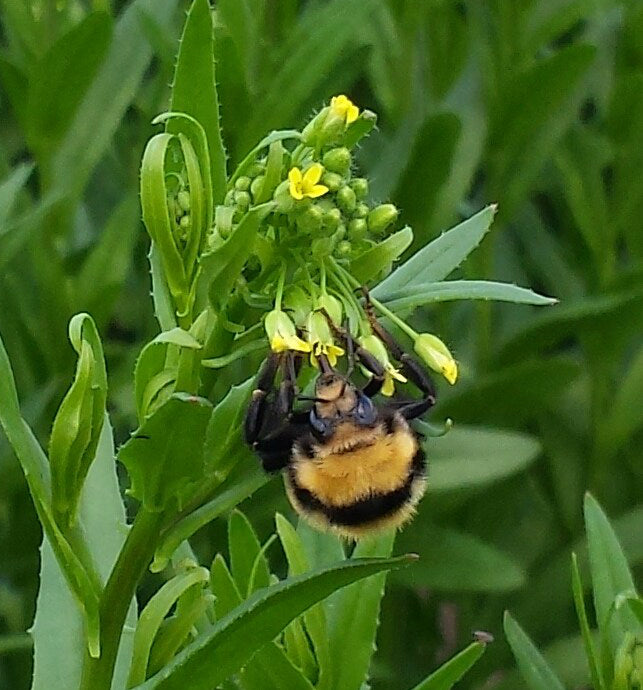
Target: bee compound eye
(322, 428)
(365, 412)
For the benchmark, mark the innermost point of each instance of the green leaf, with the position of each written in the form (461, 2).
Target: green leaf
(418, 295)
(270, 666)
(466, 563)
(593, 660)
(229, 495)
(152, 616)
(469, 457)
(108, 96)
(164, 457)
(440, 257)
(452, 670)
(245, 551)
(58, 629)
(535, 671)
(79, 420)
(249, 159)
(314, 618)
(354, 617)
(68, 67)
(177, 336)
(536, 107)
(373, 261)
(194, 90)
(224, 444)
(272, 176)
(221, 268)
(235, 638)
(611, 576)
(10, 190)
(151, 378)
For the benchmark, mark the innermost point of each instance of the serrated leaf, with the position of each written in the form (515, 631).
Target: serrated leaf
(194, 92)
(535, 671)
(373, 261)
(164, 457)
(180, 337)
(452, 670)
(354, 617)
(440, 257)
(427, 293)
(235, 638)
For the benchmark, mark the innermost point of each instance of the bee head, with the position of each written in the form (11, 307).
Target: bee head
(338, 400)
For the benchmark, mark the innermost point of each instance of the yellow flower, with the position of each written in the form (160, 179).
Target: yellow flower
(320, 339)
(282, 333)
(436, 354)
(305, 184)
(376, 347)
(343, 107)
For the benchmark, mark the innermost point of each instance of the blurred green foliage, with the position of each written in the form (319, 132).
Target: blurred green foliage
(535, 105)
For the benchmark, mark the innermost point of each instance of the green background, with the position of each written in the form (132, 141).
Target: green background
(534, 105)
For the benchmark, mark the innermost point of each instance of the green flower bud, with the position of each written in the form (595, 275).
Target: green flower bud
(321, 247)
(311, 219)
(344, 249)
(332, 180)
(185, 222)
(361, 210)
(338, 160)
(256, 169)
(256, 185)
(332, 218)
(332, 306)
(229, 198)
(242, 199)
(183, 199)
(381, 217)
(340, 233)
(346, 199)
(436, 354)
(282, 197)
(242, 183)
(360, 186)
(357, 229)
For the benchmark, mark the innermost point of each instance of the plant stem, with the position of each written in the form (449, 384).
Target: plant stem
(130, 566)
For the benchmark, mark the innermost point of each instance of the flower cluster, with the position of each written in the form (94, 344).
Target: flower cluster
(319, 223)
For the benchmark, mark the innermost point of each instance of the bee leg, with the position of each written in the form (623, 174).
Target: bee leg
(268, 429)
(410, 366)
(366, 359)
(256, 413)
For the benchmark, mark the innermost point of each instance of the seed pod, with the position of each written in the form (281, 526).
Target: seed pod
(242, 183)
(357, 229)
(360, 187)
(338, 160)
(332, 180)
(381, 217)
(346, 199)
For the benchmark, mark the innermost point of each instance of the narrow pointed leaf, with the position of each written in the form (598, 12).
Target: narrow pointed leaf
(452, 670)
(212, 658)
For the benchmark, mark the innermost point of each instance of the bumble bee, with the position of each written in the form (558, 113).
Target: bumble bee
(350, 466)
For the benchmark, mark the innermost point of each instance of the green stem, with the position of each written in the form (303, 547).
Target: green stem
(280, 289)
(377, 304)
(129, 568)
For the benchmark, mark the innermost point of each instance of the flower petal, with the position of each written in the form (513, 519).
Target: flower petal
(313, 175)
(317, 190)
(295, 175)
(389, 387)
(352, 113)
